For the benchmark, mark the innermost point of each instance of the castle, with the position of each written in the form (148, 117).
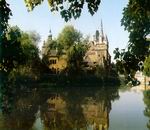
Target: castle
(98, 54)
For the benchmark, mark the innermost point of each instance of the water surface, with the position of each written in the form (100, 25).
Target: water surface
(102, 108)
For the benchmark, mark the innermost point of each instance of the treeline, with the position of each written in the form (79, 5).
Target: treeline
(20, 56)
(23, 63)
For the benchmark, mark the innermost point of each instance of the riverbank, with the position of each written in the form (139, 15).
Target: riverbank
(78, 81)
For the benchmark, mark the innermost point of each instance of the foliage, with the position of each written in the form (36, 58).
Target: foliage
(11, 51)
(147, 66)
(147, 108)
(4, 16)
(100, 71)
(74, 46)
(69, 36)
(126, 62)
(10, 57)
(69, 42)
(136, 20)
(69, 8)
(19, 63)
(32, 62)
(75, 56)
(30, 50)
(51, 45)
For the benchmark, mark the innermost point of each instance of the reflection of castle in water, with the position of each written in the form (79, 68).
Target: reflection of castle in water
(97, 114)
(90, 114)
(71, 109)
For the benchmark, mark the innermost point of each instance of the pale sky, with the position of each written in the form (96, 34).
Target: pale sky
(42, 20)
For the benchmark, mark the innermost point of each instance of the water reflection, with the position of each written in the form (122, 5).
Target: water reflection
(23, 110)
(61, 109)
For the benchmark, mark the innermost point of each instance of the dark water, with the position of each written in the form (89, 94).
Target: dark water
(104, 108)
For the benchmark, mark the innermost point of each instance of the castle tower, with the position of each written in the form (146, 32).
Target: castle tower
(98, 53)
(102, 33)
(97, 35)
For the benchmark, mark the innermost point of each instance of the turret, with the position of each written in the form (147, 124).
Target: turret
(97, 36)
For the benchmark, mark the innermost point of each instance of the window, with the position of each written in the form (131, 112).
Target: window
(52, 61)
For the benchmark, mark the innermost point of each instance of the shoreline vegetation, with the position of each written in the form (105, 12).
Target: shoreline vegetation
(78, 81)
(62, 80)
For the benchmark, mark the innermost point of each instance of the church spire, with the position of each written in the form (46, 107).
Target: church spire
(102, 33)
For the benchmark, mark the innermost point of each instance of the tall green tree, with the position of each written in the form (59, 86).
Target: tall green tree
(75, 47)
(10, 57)
(136, 20)
(11, 51)
(30, 52)
(19, 52)
(75, 56)
(29, 43)
(69, 36)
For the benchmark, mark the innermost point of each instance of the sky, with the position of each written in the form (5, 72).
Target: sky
(42, 20)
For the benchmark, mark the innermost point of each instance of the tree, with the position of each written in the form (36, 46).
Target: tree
(11, 51)
(18, 53)
(69, 36)
(126, 62)
(68, 8)
(51, 45)
(4, 16)
(30, 52)
(10, 56)
(74, 45)
(147, 66)
(30, 49)
(136, 20)
(75, 56)
(71, 42)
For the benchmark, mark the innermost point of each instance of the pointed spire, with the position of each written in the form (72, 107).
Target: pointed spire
(50, 35)
(102, 33)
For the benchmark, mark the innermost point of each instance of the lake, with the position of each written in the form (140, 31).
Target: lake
(92, 108)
